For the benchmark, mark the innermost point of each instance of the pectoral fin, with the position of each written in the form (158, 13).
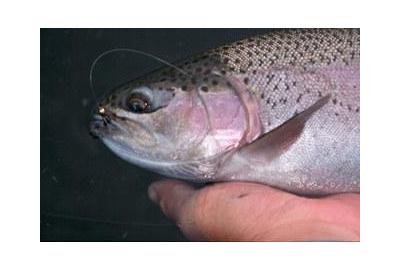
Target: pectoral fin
(274, 143)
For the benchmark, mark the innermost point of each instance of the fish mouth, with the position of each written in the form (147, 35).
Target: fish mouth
(95, 126)
(100, 125)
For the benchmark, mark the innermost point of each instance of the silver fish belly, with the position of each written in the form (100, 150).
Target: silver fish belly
(280, 109)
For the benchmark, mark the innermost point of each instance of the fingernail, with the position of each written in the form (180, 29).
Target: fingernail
(152, 192)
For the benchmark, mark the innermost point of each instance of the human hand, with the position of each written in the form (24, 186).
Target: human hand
(240, 211)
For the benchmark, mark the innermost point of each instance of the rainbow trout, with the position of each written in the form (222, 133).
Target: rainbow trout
(280, 109)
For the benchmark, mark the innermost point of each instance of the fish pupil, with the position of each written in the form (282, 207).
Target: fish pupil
(137, 103)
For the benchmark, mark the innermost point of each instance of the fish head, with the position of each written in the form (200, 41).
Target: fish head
(174, 126)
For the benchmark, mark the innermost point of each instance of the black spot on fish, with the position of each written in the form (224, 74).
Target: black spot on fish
(184, 87)
(337, 114)
(349, 107)
(299, 98)
(334, 101)
(204, 88)
(352, 54)
(246, 81)
(262, 95)
(358, 109)
(214, 82)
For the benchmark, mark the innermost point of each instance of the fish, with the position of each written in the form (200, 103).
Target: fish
(281, 109)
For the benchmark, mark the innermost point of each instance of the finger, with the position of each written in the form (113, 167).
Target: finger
(171, 195)
(224, 211)
(176, 200)
(238, 211)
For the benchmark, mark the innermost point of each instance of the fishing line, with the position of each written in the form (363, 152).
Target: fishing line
(93, 65)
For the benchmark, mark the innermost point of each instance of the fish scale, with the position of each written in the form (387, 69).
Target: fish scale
(280, 108)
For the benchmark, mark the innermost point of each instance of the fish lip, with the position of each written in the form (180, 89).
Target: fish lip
(97, 126)
(103, 126)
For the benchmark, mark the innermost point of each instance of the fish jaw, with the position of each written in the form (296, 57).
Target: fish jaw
(183, 138)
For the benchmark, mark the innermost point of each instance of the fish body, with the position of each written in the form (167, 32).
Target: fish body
(280, 109)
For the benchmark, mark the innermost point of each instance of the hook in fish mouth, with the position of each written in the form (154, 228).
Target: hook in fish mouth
(103, 123)
(99, 121)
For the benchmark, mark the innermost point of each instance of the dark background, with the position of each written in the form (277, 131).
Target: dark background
(86, 192)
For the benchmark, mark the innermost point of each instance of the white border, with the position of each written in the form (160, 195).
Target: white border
(20, 127)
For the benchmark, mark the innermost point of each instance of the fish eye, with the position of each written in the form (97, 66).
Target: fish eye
(138, 103)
